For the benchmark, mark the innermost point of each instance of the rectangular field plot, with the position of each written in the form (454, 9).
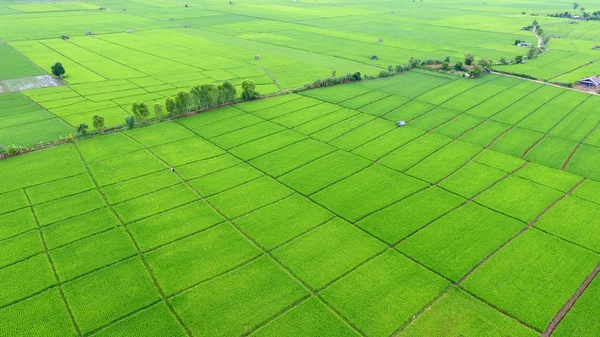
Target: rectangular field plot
(532, 277)
(366, 192)
(157, 320)
(444, 161)
(225, 179)
(363, 134)
(382, 294)
(472, 179)
(326, 253)
(585, 162)
(311, 318)
(261, 146)
(282, 221)
(250, 196)
(260, 289)
(574, 219)
(291, 157)
(456, 243)
(194, 259)
(99, 298)
(459, 314)
(387, 143)
(519, 198)
(581, 319)
(403, 218)
(25, 279)
(323, 172)
(413, 152)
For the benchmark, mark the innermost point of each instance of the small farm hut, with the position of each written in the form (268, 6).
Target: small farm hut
(400, 123)
(129, 31)
(593, 81)
(379, 41)
(257, 57)
(374, 57)
(64, 37)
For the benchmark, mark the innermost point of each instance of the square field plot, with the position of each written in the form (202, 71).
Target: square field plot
(557, 179)
(532, 277)
(520, 198)
(183, 263)
(311, 318)
(237, 302)
(101, 297)
(137, 187)
(282, 221)
(20, 247)
(456, 243)
(105, 147)
(586, 162)
(17, 222)
(403, 218)
(324, 171)
(459, 314)
(60, 188)
(415, 151)
(384, 293)
(75, 228)
(44, 315)
(367, 191)
(326, 253)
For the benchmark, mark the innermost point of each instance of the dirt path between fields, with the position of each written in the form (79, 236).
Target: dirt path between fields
(540, 42)
(567, 307)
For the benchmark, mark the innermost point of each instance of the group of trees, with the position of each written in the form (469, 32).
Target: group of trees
(204, 96)
(200, 97)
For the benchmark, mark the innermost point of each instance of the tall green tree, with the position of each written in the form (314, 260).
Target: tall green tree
(58, 70)
(249, 90)
(469, 59)
(98, 122)
(170, 105)
(158, 111)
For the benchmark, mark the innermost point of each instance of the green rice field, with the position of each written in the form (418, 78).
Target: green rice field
(310, 212)
(298, 42)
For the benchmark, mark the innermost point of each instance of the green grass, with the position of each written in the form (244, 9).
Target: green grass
(72, 229)
(547, 273)
(384, 293)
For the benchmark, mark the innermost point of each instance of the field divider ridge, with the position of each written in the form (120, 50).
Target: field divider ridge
(55, 273)
(139, 250)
